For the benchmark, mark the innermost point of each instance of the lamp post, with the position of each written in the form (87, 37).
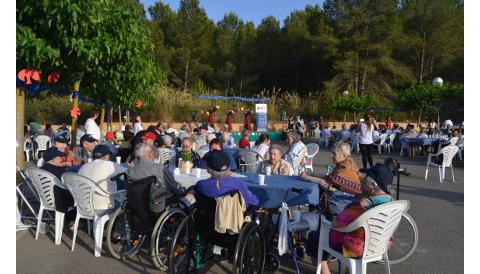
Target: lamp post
(345, 93)
(438, 82)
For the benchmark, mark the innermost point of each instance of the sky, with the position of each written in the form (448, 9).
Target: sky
(247, 10)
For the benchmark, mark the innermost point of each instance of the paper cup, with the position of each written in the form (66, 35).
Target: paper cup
(268, 170)
(89, 160)
(261, 179)
(197, 172)
(119, 159)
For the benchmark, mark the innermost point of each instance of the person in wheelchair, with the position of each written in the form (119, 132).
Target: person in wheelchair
(145, 166)
(219, 217)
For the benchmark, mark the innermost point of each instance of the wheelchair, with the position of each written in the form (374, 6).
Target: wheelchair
(196, 240)
(133, 223)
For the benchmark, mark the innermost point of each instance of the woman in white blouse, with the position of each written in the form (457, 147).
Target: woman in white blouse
(262, 144)
(366, 139)
(137, 124)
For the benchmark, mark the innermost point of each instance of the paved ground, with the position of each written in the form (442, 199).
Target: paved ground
(437, 209)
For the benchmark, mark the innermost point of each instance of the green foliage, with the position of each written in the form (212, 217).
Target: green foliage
(420, 96)
(354, 103)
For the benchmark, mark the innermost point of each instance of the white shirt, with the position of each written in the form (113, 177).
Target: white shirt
(261, 149)
(294, 151)
(365, 137)
(92, 128)
(446, 123)
(326, 133)
(137, 127)
(344, 134)
(100, 171)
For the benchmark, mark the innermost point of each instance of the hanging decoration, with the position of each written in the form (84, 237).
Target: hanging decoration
(139, 103)
(75, 112)
(53, 77)
(236, 98)
(27, 75)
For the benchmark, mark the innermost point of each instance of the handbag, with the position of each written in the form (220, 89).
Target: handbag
(325, 205)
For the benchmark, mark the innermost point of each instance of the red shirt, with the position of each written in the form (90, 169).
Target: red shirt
(244, 143)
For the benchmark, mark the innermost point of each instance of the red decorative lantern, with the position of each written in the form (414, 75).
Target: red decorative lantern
(75, 112)
(139, 103)
(53, 77)
(27, 75)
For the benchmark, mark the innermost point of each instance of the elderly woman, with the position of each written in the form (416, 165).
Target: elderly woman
(187, 154)
(277, 164)
(343, 183)
(375, 190)
(295, 147)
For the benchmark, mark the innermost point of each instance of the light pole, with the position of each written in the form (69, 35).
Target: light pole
(438, 82)
(345, 93)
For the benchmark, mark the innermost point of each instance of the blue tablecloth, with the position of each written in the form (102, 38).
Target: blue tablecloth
(272, 193)
(421, 141)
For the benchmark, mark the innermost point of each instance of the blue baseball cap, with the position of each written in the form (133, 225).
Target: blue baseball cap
(100, 150)
(51, 153)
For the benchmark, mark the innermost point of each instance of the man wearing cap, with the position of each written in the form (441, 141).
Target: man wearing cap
(111, 143)
(84, 151)
(100, 170)
(61, 143)
(221, 182)
(201, 138)
(55, 165)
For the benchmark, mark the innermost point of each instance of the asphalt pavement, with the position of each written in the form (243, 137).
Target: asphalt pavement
(436, 207)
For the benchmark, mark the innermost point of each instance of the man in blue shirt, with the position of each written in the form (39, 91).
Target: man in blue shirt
(221, 183)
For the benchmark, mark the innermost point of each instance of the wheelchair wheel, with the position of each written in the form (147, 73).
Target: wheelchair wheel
(162, 236)
(180, 255)
(120, 236)
(250, 250)
(404, 240)
(272, 262)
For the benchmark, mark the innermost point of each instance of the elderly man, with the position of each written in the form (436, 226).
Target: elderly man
(55, 165)
(228, 141)
(100, 170)
(145, 166)
(202, 137)
(84, 152)
(276, 163)
(111, 143)
(344, 134)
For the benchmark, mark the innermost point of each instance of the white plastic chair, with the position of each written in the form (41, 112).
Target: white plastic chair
(389, 146)
(27, 149)
(383, 137)
(83, 189)
(250, 158)
(460, 151)
(448, 153)
(312, 150)
(379, 223)
(298, 162)
(43, 182)
(354, 143)
(202, 151)
(43, 142)
(40, 162)
(405, 145)
(164, 155)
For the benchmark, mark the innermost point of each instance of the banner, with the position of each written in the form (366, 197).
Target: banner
(262, 122)
(235, 98)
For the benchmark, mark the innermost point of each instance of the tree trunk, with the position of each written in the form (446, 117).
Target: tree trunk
(364, 75)
(76, 88)
(110, 119)
(20, 118)
(186, 76)
(355, 117)
(128, 117)
(419, 117)
(430, 73)
(120, 118)
(424, 41)
(102, 119)
(241, 75)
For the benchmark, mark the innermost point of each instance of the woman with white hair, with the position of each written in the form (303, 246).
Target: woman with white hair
(296, 146)
(343, 183)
